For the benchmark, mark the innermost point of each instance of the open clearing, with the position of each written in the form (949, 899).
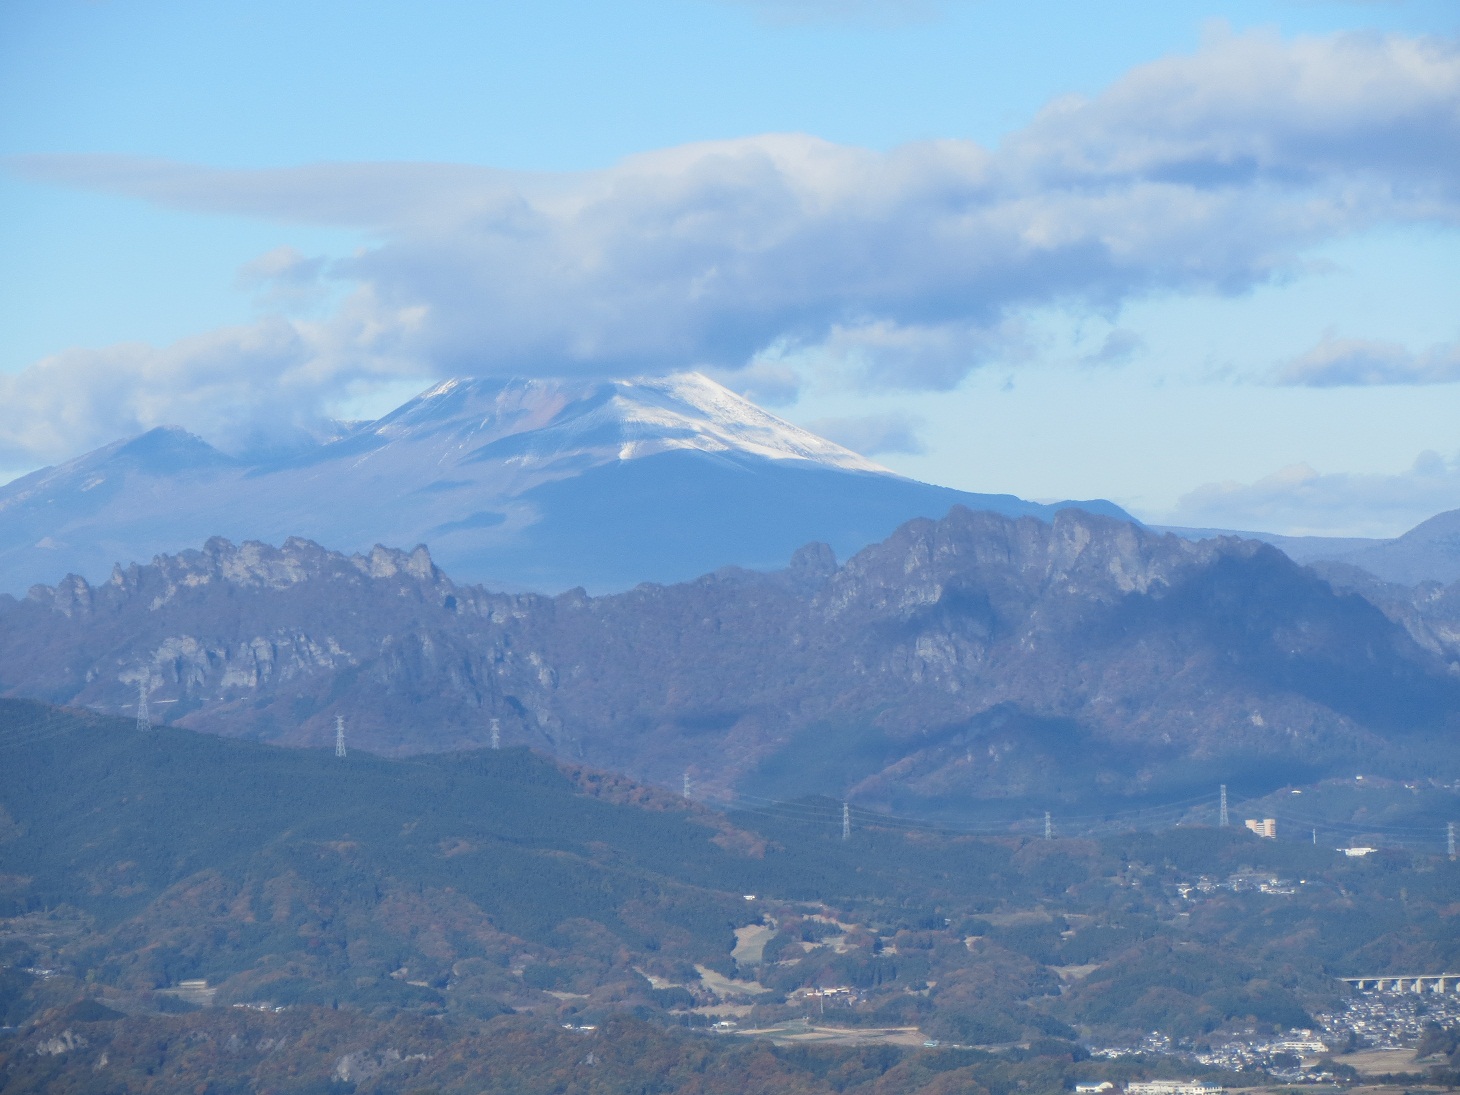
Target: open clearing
(1379, 1062)
(750, 943)
(800, 1033)
(723, 986)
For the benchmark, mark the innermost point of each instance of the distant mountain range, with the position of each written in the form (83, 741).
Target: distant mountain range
(540, 485)
(976, 659)
(1429, 552)
(543, 485)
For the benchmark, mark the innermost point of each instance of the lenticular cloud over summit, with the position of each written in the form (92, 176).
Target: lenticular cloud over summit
(1204, 173)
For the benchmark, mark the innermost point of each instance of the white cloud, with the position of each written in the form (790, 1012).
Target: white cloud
(1339, 362)
(281, 265)
(1254, 110)
(284, 280)
(873, 434)
(1300, 501)
(884, 354)
(910, 268)
(239, 387)
(769, 380)
(1119, 346)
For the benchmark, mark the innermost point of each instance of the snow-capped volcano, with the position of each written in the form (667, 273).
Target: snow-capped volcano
(541, 484)
(556, 420)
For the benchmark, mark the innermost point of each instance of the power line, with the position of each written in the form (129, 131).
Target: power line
(1352, 827)
(820, 812)
(144, 714)
(811, 814)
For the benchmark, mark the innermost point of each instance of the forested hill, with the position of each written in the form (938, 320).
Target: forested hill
(108, 818)
(176, 836)
(406, 913)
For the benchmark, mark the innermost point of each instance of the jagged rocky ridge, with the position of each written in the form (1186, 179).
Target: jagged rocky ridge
(959, 660)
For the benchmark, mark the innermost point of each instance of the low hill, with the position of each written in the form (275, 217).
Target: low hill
(182, 911)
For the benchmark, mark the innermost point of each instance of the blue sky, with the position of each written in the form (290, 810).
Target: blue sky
(1199, 258)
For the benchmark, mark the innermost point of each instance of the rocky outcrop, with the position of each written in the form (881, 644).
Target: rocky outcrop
(61, 1043)
(976, 655)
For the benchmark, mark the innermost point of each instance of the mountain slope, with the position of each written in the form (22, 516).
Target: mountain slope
(962, 661)
(522, 484)
(1429, 552)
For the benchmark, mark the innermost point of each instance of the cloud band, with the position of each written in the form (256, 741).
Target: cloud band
(1207, 172)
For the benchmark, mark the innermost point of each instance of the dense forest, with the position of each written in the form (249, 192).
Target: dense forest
(492, 920)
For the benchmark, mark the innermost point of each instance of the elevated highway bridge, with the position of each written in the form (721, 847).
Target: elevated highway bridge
(1413, 982)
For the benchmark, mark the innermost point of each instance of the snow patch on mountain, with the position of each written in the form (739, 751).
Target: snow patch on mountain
(592, 422)
(521, 484)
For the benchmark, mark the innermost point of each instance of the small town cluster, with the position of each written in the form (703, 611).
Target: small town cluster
(1393, 1019)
